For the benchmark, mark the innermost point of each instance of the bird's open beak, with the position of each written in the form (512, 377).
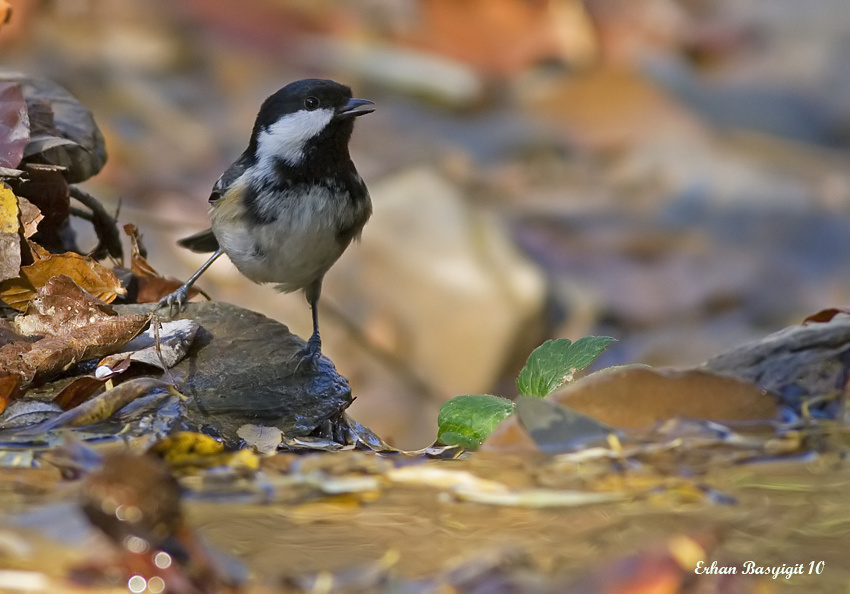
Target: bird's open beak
(355, 107)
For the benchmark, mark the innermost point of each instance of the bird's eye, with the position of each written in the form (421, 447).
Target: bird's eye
(311, 103)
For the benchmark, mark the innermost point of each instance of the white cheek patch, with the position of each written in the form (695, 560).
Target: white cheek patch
(285, 139)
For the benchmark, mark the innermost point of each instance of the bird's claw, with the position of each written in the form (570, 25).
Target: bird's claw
(307, 356)
(176, 299)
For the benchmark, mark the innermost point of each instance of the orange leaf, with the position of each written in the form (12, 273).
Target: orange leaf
(10, 385)
(138, 264)
(84, 271)
(78, 391)
(825, 315)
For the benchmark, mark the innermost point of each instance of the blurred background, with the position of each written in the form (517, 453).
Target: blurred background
(671, 173)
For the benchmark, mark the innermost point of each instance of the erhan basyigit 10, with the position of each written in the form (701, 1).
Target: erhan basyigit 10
(285, 211)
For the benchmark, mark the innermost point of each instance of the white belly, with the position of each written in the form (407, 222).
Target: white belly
(291, 252)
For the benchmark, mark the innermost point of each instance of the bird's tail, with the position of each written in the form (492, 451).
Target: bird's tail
(202, 243)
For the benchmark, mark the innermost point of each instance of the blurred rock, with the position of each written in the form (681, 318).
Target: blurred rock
(780, 110)
(503, 37)
(798, 364)
(439, 284)
(62, 131)
(607, 108)
(406, 71)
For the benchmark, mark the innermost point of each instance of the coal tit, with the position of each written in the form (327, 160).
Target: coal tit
(285, 211)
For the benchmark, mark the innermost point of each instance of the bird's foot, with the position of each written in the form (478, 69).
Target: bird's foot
(176, 300)
(307, 357)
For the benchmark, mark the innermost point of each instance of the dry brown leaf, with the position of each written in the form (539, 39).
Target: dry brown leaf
(77, 328)
(84, 271)
(825, 315)
(640, 397)
(152, 285)
(10, 385)
(138, 264)
(84, 387)
(30, 216)
(61, 307)
(10, 239)
(78, 391)
(16, 292)
(36, 251)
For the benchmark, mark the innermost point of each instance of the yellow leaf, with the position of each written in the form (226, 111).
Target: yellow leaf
(8, 210)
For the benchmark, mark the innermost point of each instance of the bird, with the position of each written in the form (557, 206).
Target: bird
(289, 206)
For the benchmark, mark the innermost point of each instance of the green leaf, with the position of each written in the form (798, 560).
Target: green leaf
(467, 420)
(555, 362)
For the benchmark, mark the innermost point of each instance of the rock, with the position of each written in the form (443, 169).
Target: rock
(439, 284)
(62, 131)
(796, 364)
(241, 370)
(440, 79)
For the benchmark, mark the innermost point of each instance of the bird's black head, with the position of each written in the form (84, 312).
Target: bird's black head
(306, 119)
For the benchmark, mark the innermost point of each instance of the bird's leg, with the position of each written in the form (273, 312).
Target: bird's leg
(179, 297)
(310, 352)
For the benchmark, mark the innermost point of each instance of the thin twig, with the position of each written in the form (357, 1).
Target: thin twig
(105, 226)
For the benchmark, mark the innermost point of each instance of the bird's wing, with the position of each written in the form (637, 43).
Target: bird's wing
(233, 173)
(205, 241)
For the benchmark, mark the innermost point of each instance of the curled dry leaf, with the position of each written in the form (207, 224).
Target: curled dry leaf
(78, 391)
(152, 286)
(60, 307)
(825, 315)
(30, 216)
(84, 271)
(76, 327)
(138, 264)
(10, 239)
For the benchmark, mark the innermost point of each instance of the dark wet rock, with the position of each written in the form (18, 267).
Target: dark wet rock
(241, 370)
(796, 364)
